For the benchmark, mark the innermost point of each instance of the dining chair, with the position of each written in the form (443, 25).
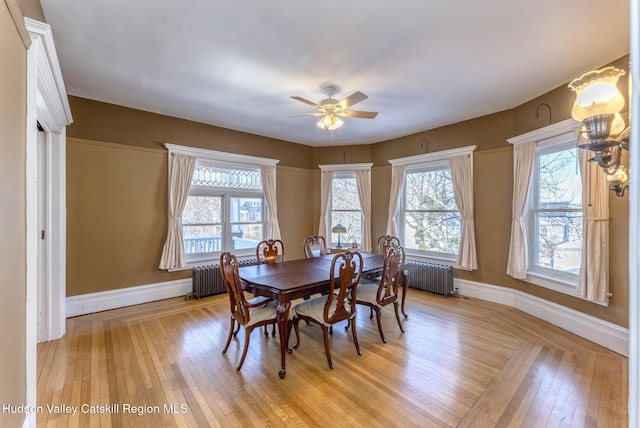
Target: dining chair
(385, 241)
(250, 314)
(270, 251)
(336, 306)
(314, 246)
(377, 295)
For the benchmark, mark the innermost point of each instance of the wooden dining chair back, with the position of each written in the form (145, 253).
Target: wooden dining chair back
(256, 312)
(385, 292)
(314, 246)
(270, 251)
(386, 241)
(336, 306)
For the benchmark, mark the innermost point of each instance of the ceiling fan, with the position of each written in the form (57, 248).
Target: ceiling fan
(331, 109)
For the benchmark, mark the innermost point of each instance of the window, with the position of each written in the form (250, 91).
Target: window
(429, 222)
(225, 210)
(345, 209)
(554, 218)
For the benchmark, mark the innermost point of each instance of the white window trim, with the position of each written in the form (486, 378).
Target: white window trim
(431, 160)
(547, 137)
(346, 167)
(433, 156)
(218, 157)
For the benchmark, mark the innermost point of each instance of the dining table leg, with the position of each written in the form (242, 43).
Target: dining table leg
(283, 328)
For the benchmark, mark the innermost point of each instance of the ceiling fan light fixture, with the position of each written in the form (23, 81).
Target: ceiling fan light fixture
(329, 122)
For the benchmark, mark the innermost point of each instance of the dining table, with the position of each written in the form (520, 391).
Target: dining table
(293, 279)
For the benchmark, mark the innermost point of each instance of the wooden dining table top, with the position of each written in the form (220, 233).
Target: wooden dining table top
(293, 275)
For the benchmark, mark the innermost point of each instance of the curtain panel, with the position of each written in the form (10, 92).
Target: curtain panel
(326, 178)
(397, 183)
(524, 156)
(593, 277)
(180, 176)
(268, 175)
(462, 177)
(363, 180)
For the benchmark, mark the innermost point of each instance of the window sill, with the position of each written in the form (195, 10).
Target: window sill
(214, 259)
(564, 287)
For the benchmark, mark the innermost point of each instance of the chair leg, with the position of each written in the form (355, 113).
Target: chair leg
(325, 336)
(273, 331)
(231, 334)
(235, 332)
(266, 331)
(380, 324)
(247, 336)
(296, 322)
(395, 306)
(355, 336)
(370, 312)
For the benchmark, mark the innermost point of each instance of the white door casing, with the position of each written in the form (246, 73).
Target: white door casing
(47, 104)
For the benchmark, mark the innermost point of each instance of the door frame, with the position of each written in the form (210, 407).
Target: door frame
(48, 105)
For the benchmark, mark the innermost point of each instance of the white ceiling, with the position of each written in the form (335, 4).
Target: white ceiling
(423, 63)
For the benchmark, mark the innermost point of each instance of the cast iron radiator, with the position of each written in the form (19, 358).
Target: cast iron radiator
(207, 280)
(432, 277)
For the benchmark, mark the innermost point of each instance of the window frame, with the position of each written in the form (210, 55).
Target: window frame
(213, 157)
(556, 134)
(331, 210)
(342, 170)
(427, 160)
(562, 279)
(436, 165)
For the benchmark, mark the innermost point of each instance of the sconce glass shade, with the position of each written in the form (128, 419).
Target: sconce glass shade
(597, 93)
(329, 122)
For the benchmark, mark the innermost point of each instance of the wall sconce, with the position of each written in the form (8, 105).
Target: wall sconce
(339, 229)
(598, 104)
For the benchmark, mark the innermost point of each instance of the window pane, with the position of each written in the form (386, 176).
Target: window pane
(226, 177)
(429, 190)
(202, 210)
(202, 239)
(559, 241)
(245, 235)
(245, 210)
(559, 180)
(344, 194)
(352, 221)
(437, 232)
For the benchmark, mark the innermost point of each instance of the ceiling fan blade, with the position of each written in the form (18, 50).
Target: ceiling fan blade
(302, 100)
(308, 114)
(352, 99)
(360, 114)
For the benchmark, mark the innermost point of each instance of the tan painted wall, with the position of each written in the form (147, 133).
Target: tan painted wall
(13, 263)
(93, 120)
(299, 190)
(32, 9)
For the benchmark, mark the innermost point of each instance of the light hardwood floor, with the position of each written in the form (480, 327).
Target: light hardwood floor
(461, 363)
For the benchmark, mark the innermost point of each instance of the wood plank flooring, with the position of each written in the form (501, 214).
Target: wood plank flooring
(460, 363)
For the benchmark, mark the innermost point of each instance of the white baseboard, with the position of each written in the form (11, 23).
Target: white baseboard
(604, 333)
(112, 299)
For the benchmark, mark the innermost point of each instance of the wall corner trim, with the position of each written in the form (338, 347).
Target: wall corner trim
(16, 15)
(603, 333)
